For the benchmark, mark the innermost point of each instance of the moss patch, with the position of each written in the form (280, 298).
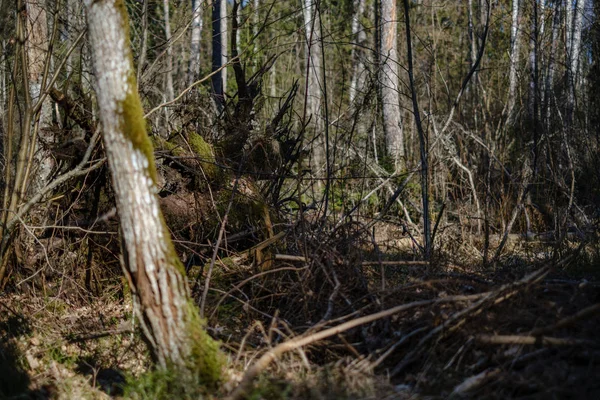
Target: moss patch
(207, 361)
(204, 151)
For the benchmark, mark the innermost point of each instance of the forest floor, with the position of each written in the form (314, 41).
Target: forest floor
(525, 329)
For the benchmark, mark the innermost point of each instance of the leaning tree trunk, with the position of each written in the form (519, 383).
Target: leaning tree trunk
(388, 70)
(168, 318)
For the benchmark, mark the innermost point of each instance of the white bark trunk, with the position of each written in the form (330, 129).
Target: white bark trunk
(170, 92)
(515, 42)
(196, 34)
(37, 52)
(314, 93)
(389, 78)
(219, 50)
(359, 34)
(576, 40)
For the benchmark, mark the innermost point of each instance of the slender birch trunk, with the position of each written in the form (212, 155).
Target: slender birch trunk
(219, 51)
(360, 36)
(37, 57)
(168, 318)
(169, 81)
(194, 65)
(314, 94)
(575, 50)
(389, 81)
(515, 43)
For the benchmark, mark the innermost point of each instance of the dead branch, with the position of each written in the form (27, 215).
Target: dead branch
(586, 312)
(539, 340)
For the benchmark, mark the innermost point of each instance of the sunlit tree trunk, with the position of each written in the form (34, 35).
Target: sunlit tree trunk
(574, 28)
(314, 93)
(194, 66)
(167, 315)
(515, 42)
(219, 51)
(170, 92)
(388, 71)
(37, 58)
(359, 34)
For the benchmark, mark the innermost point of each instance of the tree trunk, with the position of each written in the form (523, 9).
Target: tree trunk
(574, 28)
(194, 66)
(392, 123)
(219, 51)
(314, 94)
(359, 34)
(168, 318)
(37, 52)
(170, 91)
(515, 41)
(549, 78)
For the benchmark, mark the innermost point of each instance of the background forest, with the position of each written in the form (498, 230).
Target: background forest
(369, 198)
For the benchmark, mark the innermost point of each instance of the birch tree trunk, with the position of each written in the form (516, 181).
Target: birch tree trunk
(314, 94)
(515, 42)
(574, 28)
(360, 35)
(37, 57)
(219, 51)
(390, 98)
(194, 66)
(169, 81)
(168, 318)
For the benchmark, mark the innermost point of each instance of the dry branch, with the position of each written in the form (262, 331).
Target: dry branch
(541, 340)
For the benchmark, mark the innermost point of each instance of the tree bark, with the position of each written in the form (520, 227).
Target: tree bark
(359, 34)
(388, 71)
(194, 66)
(170, 91)
(515, 42)
(37, 57)
(314, 93)
(219, 51)
(574, 28)
(168, 318)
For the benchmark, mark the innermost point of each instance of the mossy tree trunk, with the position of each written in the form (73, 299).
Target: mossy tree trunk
(168, 318)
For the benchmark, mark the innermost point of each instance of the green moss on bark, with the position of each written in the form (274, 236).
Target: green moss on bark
(206, 359)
